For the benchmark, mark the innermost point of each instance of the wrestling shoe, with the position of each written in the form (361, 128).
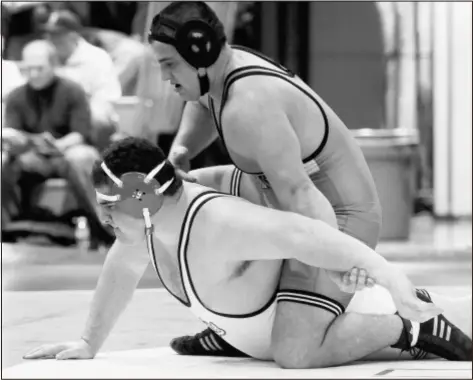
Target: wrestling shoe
(205, 343)
(437, 336)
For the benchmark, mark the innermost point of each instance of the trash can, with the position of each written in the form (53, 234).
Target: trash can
(392, 156)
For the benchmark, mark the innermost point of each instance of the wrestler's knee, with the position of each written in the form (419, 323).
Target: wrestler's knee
(298, 335)
(292, 355)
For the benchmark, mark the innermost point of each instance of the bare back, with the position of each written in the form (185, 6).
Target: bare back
(223, 286)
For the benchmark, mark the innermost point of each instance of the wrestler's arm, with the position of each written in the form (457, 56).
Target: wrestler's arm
(253, 233)
(196, 131)
(260, 233)
(263, 132)
(123, 269)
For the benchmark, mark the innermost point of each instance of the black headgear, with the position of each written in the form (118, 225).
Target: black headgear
(198, 42)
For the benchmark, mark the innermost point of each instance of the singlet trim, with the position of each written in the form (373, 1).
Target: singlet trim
(183, 245)
(149, 240)
(152, 253)
(260, 70)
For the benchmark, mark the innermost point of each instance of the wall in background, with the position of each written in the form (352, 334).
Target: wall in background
(346, 61)
(452, 109)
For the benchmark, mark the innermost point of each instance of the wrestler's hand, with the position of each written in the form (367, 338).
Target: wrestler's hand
(354, 280)
(179, 157)
(62, 351)
(407, 303)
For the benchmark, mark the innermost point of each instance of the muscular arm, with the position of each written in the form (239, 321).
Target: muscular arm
(263, 133)
(258, 233)
(197, 130)
(120, 275)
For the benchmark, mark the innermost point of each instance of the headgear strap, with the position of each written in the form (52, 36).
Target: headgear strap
(140, 193)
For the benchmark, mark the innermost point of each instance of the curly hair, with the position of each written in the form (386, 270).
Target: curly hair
(133, 154)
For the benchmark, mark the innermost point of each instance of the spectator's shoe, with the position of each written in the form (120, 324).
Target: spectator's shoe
(437, 336)
(205, 343)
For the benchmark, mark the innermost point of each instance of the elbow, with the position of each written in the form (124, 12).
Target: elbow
(299, 236)
(307, 200)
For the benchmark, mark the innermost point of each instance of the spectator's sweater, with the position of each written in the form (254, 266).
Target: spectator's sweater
(60, 108)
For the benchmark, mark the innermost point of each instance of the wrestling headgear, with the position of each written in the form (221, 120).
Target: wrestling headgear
(140, 193)
(198, 42)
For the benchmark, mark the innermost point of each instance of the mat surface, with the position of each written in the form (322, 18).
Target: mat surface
(164, 363)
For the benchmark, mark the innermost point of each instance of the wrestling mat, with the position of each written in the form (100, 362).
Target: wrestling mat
(164, 363)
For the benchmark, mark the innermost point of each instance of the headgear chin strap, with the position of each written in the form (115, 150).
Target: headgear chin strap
(195, 40)
(140, 193)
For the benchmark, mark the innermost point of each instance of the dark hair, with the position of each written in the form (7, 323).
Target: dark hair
(182, 11)
(133, 154)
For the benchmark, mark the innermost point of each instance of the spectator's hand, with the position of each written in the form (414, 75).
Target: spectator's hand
(179, 157)
(45, 144)
(62, 351)
(14, 141)
(354, 280)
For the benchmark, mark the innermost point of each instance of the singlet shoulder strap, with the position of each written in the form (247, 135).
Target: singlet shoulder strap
(278, 72)
(242, 72)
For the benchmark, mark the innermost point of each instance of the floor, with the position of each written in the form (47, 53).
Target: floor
(46, 293)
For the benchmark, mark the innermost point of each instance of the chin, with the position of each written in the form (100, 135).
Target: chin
(189, 97)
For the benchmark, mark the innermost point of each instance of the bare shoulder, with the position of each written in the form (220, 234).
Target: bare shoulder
(252, 103)
(252, 92)
(238, 215)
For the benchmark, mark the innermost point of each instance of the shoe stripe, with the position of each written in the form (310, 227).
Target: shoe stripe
(202, 342)
(449, 331)
(442, 329)
(422, 355)
(415, 331)
(434, 332)
(214, 341)
(210, 343)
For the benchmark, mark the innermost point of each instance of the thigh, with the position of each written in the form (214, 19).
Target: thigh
(82, 157)
(308, 297)
(35, 165)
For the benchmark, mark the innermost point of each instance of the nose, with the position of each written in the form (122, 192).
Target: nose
(165, 75)
(34, 73)
(106, 218)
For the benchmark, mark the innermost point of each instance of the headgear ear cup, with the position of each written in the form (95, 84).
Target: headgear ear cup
(196, 41)
(138, 191)
(198, 44)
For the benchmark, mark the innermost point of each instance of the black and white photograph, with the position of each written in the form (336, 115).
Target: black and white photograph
(236, 189)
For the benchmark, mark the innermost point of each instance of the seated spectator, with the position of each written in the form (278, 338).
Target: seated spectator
(126, 53)
(106, 30)
(89, 66)
(48, 135)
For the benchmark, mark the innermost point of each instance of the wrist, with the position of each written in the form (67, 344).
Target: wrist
(384, 276)
(177, 147)
(93, 348)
